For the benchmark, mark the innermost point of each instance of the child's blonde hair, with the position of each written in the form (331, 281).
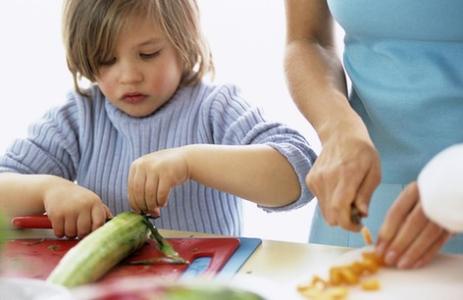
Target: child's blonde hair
(91, 28)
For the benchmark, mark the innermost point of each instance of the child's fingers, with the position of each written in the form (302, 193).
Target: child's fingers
(164, 187)
(70, 226)
(108, 213)
(99, 214)
(137, 191)
(57, 224)
(398, 213)
(130, 191)
(84, 223)
(151, 188)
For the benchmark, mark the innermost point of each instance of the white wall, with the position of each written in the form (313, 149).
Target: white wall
(247, 40)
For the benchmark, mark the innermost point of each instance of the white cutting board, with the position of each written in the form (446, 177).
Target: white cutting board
(442, 279)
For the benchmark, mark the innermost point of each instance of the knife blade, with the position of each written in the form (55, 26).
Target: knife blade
(356, 215)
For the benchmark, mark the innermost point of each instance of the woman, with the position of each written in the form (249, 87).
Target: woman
(406, 105)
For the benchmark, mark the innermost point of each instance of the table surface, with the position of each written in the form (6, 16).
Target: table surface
(284, 262)
(288, 264)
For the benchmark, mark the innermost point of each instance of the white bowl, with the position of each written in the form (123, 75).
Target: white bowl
(31, 289)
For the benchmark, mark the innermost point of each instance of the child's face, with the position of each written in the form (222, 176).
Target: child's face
(144, 72)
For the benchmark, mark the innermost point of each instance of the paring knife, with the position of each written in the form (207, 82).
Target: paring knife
(356, 215)
(31, 222)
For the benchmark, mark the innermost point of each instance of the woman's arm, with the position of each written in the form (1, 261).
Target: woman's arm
(315, 74)
(348, 169)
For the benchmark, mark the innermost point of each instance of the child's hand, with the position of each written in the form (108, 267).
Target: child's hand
(407, 238)
(74, 210)
(152, 176)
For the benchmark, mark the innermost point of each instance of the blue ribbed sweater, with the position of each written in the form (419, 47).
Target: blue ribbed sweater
(93, 143)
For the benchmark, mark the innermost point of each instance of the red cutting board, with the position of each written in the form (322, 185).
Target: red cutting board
(36, 258)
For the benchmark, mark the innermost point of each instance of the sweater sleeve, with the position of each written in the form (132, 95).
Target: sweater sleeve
(51, 146)
(234, 122)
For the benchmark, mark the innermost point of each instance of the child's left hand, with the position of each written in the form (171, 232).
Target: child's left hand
(152, 176)
(407, 238)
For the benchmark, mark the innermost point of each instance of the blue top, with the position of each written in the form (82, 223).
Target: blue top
(405, 61)
(94, 143)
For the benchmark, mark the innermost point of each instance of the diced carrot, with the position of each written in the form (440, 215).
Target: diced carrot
(366, 236)
(371, 284)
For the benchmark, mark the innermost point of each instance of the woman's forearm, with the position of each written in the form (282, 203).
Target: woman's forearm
(314, 72)
(257, 173)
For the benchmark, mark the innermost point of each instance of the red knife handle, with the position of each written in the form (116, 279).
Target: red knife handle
(31, 222)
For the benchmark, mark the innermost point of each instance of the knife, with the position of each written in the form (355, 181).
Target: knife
(29, 222)
(41, 222)
(356, 215)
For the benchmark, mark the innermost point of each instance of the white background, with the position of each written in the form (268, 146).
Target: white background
(247, 41)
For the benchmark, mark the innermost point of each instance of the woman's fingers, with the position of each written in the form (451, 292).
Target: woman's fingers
(396, 216)
(342, 200)
(408, 238)
(340, 178)
(426, 258)
(366, 189)
(421, 245)
(406, 235)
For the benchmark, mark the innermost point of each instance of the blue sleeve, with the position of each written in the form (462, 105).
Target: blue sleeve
(234, 122)
(51, 146)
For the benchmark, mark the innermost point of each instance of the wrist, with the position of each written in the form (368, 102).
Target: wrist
(341, 125)
(190, 154)
(46, 183)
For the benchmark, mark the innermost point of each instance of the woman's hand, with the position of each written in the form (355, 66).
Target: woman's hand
(345, 174)
(152, 176)
(72, 209)
(407, 238)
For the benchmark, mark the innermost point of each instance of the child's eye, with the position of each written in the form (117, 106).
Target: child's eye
(108, 62)
(149, 55)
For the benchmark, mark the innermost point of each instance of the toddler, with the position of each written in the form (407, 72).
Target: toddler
(149, 134)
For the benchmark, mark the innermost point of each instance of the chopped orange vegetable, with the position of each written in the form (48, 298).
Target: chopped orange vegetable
(366, 235)
(339, 276)
(370, 284)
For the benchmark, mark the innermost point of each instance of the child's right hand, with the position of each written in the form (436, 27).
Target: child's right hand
(74, 210)
(152, 176)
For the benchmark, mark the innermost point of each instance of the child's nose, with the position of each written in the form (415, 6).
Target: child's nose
(130, 73)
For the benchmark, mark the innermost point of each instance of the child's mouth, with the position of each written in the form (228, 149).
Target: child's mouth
(134, 98)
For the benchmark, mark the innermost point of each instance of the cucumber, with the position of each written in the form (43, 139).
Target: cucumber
(101, 250)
